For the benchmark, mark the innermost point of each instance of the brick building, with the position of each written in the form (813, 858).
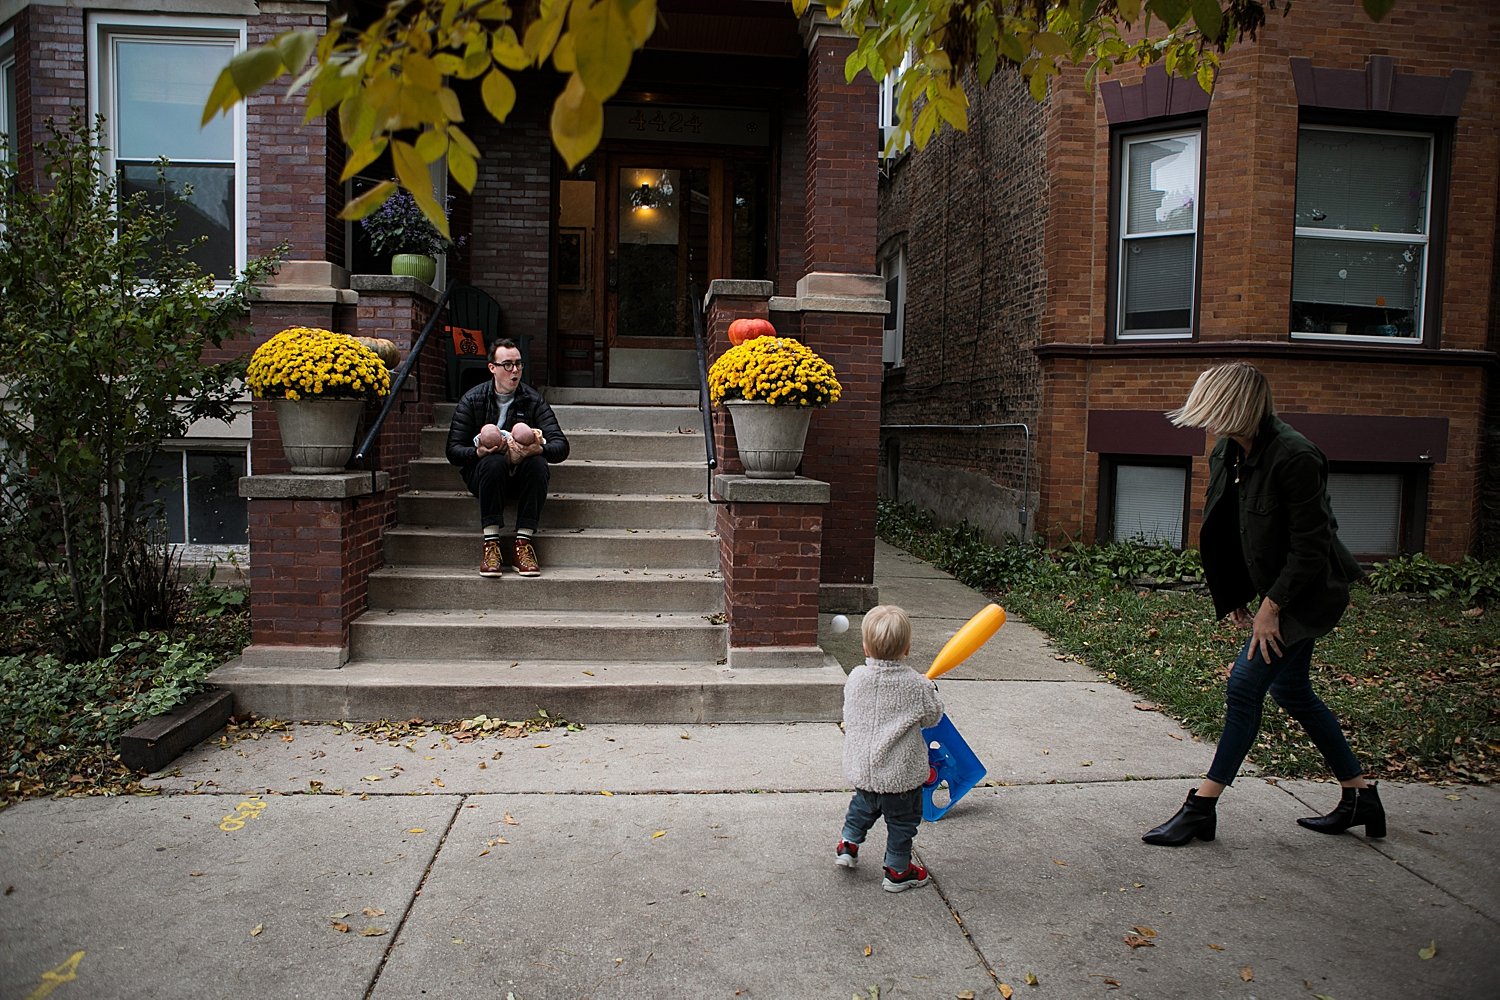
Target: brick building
(735, 158)
(1066, 269)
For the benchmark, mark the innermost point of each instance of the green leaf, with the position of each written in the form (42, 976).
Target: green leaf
(1209, 18)
(1378, 9)
(1428, 952)
(254, 68)
(1049, 44)
(1172, 12)
(222, 97)
(296, 47)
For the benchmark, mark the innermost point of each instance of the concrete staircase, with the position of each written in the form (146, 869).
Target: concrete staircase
(624, 625)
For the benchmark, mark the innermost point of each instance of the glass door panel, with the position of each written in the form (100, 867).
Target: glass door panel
(662, 244)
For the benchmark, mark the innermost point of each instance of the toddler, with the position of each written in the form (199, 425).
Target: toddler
(886, 706)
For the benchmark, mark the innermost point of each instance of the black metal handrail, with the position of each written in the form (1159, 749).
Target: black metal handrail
(1025, 452)
(705, 406)
(402, 370)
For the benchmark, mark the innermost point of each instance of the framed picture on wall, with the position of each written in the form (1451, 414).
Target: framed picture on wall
(572, 258)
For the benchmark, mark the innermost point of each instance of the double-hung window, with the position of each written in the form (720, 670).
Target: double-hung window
(1362, 252)
(151, 78)
(1156, 228)
(893, 269)
(8, 92)
(888, 115)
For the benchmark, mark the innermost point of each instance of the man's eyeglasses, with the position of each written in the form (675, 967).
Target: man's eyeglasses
(510, 366)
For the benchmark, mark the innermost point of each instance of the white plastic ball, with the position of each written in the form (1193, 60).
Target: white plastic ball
(839, 624)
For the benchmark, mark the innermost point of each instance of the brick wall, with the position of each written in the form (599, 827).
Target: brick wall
(512, 218)
(51, 75)
(1247, 193)
(771, 555)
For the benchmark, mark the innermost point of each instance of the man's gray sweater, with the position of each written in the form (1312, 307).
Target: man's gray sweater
(886, 706)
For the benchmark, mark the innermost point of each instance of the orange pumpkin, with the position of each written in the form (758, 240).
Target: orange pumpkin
(387, 349)
(748, 328)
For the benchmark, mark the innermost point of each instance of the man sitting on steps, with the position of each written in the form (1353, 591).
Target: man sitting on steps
(509, 470)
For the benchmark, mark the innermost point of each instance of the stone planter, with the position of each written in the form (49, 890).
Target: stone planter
(317, 435)
(769, 438)
(415, 265)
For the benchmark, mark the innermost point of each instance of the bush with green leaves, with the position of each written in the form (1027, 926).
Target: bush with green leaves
(109, 327)
(1472, 582)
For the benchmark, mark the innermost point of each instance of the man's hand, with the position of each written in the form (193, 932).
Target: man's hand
(519, 452)
(499, 449)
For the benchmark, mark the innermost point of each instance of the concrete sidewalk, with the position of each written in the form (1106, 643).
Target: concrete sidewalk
(696, 861)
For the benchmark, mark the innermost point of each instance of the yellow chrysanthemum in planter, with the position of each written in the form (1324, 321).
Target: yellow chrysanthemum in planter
(304, 362)
(776, 370)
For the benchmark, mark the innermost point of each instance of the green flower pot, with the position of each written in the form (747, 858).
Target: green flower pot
(415, 265)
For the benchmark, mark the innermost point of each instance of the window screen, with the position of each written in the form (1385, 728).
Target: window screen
(1149, 504)
(1367, 507)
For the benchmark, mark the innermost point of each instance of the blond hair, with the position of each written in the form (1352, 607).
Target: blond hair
(887, 632)
(1229, 399)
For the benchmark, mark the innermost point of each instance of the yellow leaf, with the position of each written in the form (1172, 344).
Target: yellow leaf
(362, 157)
(457, 138)
(607, 794)
(1031, 979)
(577, 122)
(869, 951)
(541, 34)
(412, 171)
(484, 852)
(255, 931)
(372, 932)
(448, 100)
(507, 50)
(1428, 952)
(439, 782)
(1144, 931)
(373, 911)
(417, 829)
(420, 71)
(511, 820)
(642, 19)
(1006, 991)
(341, 927)
(1247, 973)
(658, 833)
(1216, 947)
(601, 45)
(431, 145)
(964, 995)
(541, 746)
(565, 57)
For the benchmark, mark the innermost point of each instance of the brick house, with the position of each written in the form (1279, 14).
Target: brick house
(1065, 270)
(735, 158)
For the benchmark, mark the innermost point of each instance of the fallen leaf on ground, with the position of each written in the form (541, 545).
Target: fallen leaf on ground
(1136, 941)
(255, 931)
(1175, 736)
(1031, 979)
(543, 746)
(964, 995)
(1216, 947)
(869, 951)
(341, 927)
(1428, 952)
(658, 833)
(1005, 990)
(1143, 931)
(608, 794)
(1247, 974)
(372, 932)
(1146, 706)
(1059, 861)
(417, 829)
(510, 820)
(373, 911)
(439, 782)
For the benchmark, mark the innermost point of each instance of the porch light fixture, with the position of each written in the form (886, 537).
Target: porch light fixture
(651, 196)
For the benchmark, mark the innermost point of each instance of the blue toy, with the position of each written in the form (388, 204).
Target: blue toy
(951, 762)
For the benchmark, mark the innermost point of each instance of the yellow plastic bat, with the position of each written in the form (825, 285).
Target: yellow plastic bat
(975, 633)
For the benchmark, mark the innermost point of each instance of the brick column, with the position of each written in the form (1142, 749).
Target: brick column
(313, 542)
(770, 536)
(843, 165)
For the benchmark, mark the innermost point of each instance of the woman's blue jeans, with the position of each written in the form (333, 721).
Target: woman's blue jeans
(1286, 677)
(903, 814)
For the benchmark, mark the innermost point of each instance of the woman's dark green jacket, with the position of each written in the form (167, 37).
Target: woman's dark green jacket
(1280, 540)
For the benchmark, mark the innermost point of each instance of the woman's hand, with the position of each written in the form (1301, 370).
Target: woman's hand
(1265, 630)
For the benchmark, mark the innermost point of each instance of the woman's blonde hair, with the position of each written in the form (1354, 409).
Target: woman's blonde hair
(1228, 399)
(887, 632)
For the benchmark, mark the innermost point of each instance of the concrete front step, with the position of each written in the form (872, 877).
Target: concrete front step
(456, 507)
(638, 446)
(431, 588)
(585, 416)
(583, 691)
(629, 548)
(583, 476)
(562, 395)
(498, 635)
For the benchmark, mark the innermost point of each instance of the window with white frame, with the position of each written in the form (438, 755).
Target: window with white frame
(1361, 255)
(151, 78)
(893, 269)
(1149, 502)
(888, 117)
(8, 92)
(196, 491)
(1157, 265)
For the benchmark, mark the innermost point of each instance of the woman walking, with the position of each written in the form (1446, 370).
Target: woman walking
(1269, 530)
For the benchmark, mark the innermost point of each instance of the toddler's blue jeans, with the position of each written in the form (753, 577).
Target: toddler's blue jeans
(1286, 678)
(903, 814)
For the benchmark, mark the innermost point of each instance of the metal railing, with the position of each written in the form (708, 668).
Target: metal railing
(399, 378)
(705, 406)
(1022, 515)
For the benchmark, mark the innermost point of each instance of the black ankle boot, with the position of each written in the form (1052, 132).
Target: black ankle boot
(1196, 818)
(1357, 807)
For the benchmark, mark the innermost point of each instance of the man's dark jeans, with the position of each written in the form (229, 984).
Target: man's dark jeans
(496, 482)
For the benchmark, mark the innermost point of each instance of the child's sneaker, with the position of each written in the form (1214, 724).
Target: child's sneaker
(914, 877)
(846, 854)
